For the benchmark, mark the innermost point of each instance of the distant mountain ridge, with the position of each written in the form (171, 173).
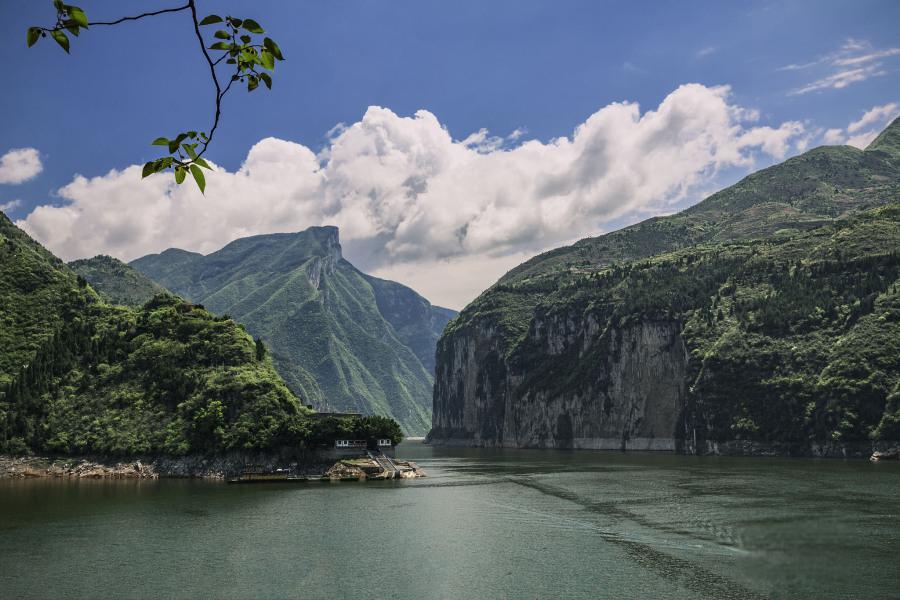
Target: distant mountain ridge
(117, 282)
(340, 338)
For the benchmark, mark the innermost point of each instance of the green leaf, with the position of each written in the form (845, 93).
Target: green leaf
(267, 60)
(266, 79)
(61, 39)
(222, 34)
(189, 148)
(235, 22)
(246, 39)
(179, 175)
(77, 15)
(199, 178)
(252, 26)
(173, 144)
(160, 141)
(210, 19)
(58, 4)
(34, 34)
(220, 46)
(72, 27)
(202, 163)
(272, 47)
(252, 83)
(149, 169)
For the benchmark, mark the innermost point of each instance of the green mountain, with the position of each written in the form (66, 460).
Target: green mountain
(116, 282)
(81, 376)
(340, 338)
(764, 319)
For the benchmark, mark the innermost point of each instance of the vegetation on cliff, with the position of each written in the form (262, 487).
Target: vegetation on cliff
(784, 286)
(80, 376)
(340, 338)
(116, 282)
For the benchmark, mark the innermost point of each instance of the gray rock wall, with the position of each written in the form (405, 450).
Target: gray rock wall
(617, 388)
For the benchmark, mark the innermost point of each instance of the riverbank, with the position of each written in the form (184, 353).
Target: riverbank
(310, 465)
(880, 450)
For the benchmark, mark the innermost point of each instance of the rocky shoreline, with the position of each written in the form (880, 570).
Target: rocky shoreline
(154, 467)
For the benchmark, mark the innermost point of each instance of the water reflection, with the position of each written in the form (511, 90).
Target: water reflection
(485, 523)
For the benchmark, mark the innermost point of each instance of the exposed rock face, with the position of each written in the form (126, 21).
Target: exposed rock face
(762, 320)
(627, 391)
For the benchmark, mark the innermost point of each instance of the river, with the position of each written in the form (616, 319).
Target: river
(483, 524)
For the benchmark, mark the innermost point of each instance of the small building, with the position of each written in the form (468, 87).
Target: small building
(351, 444)
(385, 443)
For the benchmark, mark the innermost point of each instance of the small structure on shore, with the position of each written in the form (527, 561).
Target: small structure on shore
(893, 454)
(356, 460)
(374, 466)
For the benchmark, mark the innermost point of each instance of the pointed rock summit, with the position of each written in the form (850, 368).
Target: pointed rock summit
(340, 338)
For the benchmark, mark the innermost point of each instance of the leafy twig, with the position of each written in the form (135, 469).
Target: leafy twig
(183, 154)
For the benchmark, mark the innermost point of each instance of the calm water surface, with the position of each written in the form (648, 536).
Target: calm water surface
(484, 524)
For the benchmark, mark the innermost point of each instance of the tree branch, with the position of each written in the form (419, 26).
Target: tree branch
(212, 70)
(141, 16)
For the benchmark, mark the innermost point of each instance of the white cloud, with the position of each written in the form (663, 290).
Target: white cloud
(877, 114)
(841, 79)
(19, 165)
(10, 206)
(833, 137)
(855, 61)
(876, 118)
(865, 58)
(443, 216)
(703, 52)
(862, 140)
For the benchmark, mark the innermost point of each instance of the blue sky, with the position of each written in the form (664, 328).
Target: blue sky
(539, 67)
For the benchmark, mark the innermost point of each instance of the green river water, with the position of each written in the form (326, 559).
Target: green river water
(483, 524)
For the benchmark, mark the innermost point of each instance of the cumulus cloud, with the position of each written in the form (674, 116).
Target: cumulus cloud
(442, 215)
(855, 61)
(861, 132)
(10, 206)
(19, 165)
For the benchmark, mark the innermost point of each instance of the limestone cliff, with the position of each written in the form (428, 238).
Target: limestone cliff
(631, 398)
(765, 319)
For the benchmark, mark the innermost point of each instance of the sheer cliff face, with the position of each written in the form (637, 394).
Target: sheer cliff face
(765, 318)
(629, 394)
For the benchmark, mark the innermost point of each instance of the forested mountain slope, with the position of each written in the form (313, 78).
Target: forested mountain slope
(764, 318)
(340, 338)
(80, 376)
(115, 281)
